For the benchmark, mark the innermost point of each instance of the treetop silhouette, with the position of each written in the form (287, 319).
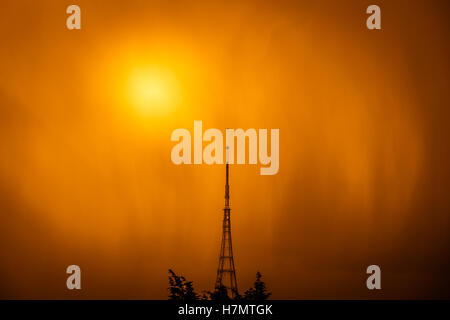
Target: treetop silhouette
(181, 289)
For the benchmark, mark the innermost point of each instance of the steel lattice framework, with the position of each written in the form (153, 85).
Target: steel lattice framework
(226, 273)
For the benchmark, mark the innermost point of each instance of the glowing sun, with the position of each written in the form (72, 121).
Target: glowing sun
(152, 90)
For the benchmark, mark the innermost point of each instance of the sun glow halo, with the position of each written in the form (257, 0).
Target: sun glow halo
(152, 90)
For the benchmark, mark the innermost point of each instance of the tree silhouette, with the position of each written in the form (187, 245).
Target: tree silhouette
(259, 291)
(219, 294)
(180, 288)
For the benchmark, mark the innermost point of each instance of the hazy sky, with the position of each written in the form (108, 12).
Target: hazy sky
(86, 176)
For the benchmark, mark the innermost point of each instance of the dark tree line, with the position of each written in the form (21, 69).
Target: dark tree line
(181, 289)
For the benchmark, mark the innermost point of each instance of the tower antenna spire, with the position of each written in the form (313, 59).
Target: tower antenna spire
(226, 273)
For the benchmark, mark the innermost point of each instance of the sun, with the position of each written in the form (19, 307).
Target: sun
(152, 90)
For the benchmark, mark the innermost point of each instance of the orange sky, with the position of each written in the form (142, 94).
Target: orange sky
(86, 176)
